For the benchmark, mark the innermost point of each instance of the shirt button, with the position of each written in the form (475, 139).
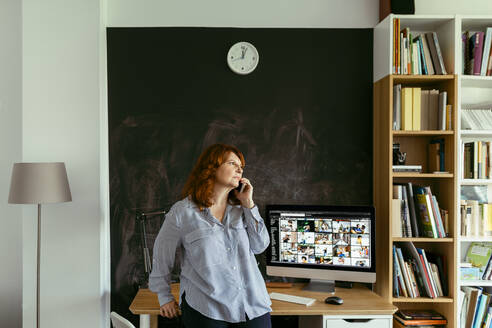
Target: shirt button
(228, 248)
(234, 268)
(239, 288)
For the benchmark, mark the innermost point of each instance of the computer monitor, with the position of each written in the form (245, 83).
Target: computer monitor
(323, 243)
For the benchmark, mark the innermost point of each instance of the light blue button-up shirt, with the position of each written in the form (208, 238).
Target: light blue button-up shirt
(219, 272)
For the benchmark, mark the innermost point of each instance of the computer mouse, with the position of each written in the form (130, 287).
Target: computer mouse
(334, 300)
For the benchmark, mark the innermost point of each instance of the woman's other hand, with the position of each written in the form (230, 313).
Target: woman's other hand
(170, 310)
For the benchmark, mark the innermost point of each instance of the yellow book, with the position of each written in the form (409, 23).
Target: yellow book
(406, 109)
(416, 94)
(488, 230)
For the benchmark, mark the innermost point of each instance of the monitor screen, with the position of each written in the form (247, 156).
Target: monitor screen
(321, 237)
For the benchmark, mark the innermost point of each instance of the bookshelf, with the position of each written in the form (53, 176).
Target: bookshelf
(471, 90)
(443, 185)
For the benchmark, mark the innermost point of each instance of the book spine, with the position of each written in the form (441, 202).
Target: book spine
(426, 275)
(405, 273)
(477, 56)
(486, 51)
(439, 54)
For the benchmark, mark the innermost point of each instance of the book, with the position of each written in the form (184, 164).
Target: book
(406, 276)
(407, 168)
(416, 108)
(419, 315)
(442, 110)
(396, 210)
(401, 280)
(472, 294)
(433, 109)
(426, 216)
(414, 322)
(486, 51)
(397, 107)
(415, 254)
(396, 290)
(423, 64)
(439, 260)
(424, 110)
(406, 109)
(471, 54)
(439, 53)
(427, 56)
(479, 255)
(477, 54)
(483, 302)
(435, 51)
(413, 212)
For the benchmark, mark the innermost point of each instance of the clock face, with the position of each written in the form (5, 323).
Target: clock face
(242, 58)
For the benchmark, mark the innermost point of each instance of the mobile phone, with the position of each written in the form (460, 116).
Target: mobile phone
(240, 187)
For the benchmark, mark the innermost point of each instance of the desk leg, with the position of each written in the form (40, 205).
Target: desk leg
(148, 321)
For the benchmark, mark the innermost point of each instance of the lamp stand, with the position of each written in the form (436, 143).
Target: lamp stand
(38, 265)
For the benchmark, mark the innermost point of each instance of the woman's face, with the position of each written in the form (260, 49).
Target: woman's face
(230, 172)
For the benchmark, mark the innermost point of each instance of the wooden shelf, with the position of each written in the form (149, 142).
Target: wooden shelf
(422, 175)
(422, 133)
(424, 240)
(422, 300)
(416, 145)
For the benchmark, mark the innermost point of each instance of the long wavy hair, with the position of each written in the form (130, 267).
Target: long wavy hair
(200, 183)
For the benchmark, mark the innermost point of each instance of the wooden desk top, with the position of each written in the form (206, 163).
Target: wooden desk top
(357, 300)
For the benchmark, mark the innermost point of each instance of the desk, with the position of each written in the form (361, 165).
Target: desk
(359, 303)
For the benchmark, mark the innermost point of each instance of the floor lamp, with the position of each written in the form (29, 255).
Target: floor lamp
(39, 183)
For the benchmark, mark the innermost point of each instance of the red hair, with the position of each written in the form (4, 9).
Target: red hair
(200, 183)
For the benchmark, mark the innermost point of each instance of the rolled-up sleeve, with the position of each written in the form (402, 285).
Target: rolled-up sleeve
(257, 231)
(168, 239)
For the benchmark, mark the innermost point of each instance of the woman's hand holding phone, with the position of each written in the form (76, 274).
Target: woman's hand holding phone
(245, 193)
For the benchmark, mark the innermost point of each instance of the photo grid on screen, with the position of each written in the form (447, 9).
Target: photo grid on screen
(325, 241)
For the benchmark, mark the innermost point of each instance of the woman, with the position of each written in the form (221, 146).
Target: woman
(218, 231)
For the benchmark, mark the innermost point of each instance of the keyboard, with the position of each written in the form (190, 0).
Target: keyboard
(293, 299)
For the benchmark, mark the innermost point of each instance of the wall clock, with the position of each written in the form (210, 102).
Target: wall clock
(242, 58)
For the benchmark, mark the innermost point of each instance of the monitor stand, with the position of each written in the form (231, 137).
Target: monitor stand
(326, 286)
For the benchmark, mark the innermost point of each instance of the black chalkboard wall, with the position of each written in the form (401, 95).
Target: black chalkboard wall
(303, 120)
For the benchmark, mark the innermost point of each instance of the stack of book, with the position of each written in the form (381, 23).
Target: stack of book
(476, 311)
(416, 213)
(417, 53)
(476, 119)
(417, 273)
(415, 109)
(419, 318)
(476, 159)
(476, 218)
(475, 51)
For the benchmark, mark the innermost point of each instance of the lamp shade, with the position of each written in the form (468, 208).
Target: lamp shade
(39, 183)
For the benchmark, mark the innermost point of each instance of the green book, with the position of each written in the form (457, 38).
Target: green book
(479, 255)
(426, 216)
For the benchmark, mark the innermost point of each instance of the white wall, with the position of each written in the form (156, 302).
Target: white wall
(60, 120)
(64, 118)
(11, 145)
(252, 13)
(451, 7)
